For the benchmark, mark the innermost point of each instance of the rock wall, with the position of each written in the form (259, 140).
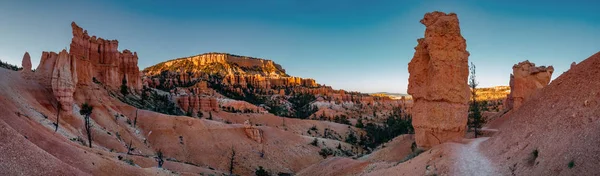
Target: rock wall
(438, 84)
(525, 80)
(195, 103)
(99, 58)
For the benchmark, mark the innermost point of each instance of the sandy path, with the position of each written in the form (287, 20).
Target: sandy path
(471, 162)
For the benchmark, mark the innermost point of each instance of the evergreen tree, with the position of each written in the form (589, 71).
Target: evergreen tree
(124, 89)
(476, 120)
(86, 111)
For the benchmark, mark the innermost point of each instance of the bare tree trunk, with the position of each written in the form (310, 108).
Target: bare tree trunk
(58, 116)
(231, 161)
(88, 130)
(135, 120)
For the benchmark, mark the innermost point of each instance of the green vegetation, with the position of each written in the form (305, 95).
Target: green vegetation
(6, 65)
(124, 89)
(324, 152)
(315, 142)
(396, 124)
(475, 120)
(261, 172)
(86, 111)
(571, 164)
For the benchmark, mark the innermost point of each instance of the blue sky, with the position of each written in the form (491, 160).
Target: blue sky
(348, 44)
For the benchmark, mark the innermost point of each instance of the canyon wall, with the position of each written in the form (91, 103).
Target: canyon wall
(438, 84)
(526, 80)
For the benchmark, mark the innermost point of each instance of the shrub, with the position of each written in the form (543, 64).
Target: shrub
(261, 172)
(571, 164)
(532, 157)
(315, 142)
(325, 152)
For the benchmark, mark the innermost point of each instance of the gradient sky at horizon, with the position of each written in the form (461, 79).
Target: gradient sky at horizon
(348, 44)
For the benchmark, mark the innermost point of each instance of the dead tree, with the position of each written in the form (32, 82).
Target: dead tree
(129, 148)
(231, 161)
(57, 116)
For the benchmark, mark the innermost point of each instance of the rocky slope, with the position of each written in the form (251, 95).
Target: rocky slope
(556, 131)
(43, 122)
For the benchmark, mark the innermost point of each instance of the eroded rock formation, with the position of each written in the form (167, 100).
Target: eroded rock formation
(438, 81)
(26, 64)
(195, 103)
(253, 133)
(101, 59)
(64, 78)
(525, 80)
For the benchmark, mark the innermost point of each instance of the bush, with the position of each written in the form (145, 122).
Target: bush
(315, 142)
(571, 164)
(261, 172)
(325, 152)
(533, 157)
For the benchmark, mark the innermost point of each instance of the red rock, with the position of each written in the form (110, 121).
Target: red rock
(525, 80)
(252, 132)
(99, 58)
(64, 79)
(438, 81)
(26, 64)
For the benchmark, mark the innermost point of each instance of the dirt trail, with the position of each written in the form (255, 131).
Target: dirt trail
(471, 162)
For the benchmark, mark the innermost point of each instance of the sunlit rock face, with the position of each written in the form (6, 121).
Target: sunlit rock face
(526, 80)
(439, 73)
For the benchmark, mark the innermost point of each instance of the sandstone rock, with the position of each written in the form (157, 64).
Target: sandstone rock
(26, 64)
(252, 132)
(195, 103)
(64, 79)
(99, 58)
(525, 80)
(438, 81)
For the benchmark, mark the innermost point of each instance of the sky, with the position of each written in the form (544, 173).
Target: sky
(354, 45)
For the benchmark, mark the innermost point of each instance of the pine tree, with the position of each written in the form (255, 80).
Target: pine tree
(124, 89)
(476, 120)
(86, 111)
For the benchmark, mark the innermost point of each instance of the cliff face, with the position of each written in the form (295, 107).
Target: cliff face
(525, 80)
(233, 70)
(227, 64)
(438, 81)
(101, 59)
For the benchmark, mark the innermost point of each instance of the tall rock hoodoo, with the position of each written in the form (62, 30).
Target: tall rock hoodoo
(26, 64)
(526, 80)
(439, 73)
(64, 79)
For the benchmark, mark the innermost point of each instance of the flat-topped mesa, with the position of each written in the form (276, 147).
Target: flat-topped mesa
(238, 71)
(439, 73)
(526, 80)
(232, 64)
(100, 59)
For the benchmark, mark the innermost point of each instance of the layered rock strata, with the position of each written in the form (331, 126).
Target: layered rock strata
(438, 78)
(100, 59)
